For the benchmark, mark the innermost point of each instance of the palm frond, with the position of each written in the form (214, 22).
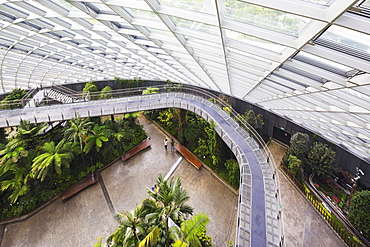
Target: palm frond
(152, 238)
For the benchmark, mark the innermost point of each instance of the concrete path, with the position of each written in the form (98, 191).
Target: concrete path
(83, 218)
(303, 225)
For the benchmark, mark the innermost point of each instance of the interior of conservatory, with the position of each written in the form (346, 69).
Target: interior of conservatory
(225, 79)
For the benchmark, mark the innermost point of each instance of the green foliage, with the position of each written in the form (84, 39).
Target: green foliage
(89, 87)
(232, 167)
(172, 86)
(299, 145)
(251, 118)
(15, 94)
(148, 224)
(294, 164)
(151, 90)
(205, 239)
(11, 99)
(56, 156)
(106, 93)
(359, 212)
(192, 132)
(192, 232)
(127, 83)
(33, 168)
(166, 117)
(95, 138)
(3, 139)
(321, 159)
(207, 147)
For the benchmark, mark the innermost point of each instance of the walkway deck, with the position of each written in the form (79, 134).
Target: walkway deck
(258, 211)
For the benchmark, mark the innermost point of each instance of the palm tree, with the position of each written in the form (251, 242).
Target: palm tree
(131, 228)
(29, 132)
(78, 131)
(57, 156)
(117, 133)
(96, 138)
(17, 184)
(187, 234)
(169, 204)
(14, 168)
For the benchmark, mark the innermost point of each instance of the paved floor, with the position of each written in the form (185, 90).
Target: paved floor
(303, 226)
(83, 218)
(87, 216)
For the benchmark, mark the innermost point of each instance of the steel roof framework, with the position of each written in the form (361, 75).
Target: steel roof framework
(305, 60)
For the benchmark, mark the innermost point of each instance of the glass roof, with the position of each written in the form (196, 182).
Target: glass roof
(307, 60)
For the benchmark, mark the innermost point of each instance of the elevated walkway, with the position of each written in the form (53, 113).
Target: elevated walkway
(259, 218)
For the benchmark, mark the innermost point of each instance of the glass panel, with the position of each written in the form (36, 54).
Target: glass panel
(147, 15)
(198, 26)
(159, 31)
(325, 61)
(205, 6)
(263, 17)
(322, 2)
(100, 8)
(208, 43)
(268, 45)
(249, 55)
(353, 39)
(366, 4)
(67, 6)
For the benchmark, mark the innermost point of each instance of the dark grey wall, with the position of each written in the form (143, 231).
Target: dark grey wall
(343, 158)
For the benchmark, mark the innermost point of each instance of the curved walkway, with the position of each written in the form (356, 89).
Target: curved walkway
(258, 212)
(80, 220)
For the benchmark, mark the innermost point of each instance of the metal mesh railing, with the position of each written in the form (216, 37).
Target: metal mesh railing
(199, 94)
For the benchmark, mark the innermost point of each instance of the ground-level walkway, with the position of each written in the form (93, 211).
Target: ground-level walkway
(303, 226)
(80, 220)
(83, 218)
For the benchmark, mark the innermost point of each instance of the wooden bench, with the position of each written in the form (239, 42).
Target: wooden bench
(189, 156)
(84, 183)
(143, 145)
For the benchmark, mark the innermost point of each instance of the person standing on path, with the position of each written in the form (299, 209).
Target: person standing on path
(172, 147)
(165, 143)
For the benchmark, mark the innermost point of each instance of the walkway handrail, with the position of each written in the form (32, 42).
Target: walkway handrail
(204, 95)
(66, 90)
(28, 96)
(338, 213)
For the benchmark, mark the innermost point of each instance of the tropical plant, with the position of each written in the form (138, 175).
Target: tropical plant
(53, 156)
(232, 167)
(321, 160)
(78, 130)
(131, 229)
(207, 147)
(106, 93)
(294, 164)
(12, 99)
(18, 183)
(14, 169)
(359, 212)
(188, 233)
(169, 203)
(299, 145)
(96, 137)
(89, 87)
(29, 133)
(151, 90)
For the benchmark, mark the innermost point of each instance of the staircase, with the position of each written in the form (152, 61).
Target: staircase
(60, 96)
